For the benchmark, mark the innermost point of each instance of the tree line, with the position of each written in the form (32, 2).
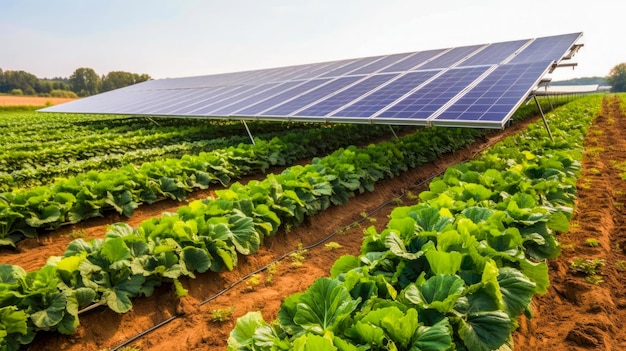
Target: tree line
(83, 82)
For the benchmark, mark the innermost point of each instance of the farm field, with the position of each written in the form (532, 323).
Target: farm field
(10, 100)
(196, 325)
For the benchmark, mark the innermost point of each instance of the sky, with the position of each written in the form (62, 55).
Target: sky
(167, 38)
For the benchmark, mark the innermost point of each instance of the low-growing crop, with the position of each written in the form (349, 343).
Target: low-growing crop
(221, 315)
(593, 242)
(333, 245)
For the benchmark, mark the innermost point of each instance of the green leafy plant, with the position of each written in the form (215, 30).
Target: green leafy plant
(298, 257)
(621, 265)
(586, 266)
(332, 246)
(252, 283)
(593, 242)
(221, 315)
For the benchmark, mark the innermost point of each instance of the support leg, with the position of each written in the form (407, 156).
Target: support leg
(249, 134)
(545, 122)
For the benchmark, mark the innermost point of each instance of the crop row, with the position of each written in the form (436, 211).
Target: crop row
(205, 235)
(453, 272)
(25, 161)
(92, 194)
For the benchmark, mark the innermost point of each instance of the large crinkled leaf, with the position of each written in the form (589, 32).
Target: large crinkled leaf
(517, 291)
(439, 292)
(312, 342)
(397, 247)
(118, 297)
(287, 313)
(537, 272)
(325, 304)
(434, 338)
(49, 214)
(195, 259)
(244, 236)
(13, 320)
(366, 333)
(52, 315)
(405, 227)
(115, 249)
(400, 326)
(344, 264)
(241, 336)
(429, 219)
(444, 262)
(484, 331)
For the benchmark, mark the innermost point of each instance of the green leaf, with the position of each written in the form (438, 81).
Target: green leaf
(241, 336)
(484, 331)
(244, 236)
(323, 306)
(287, 313)
(444, 262)
(52, 315)
(558, 221)
(115, 249)
(434, 338)
(118, 298)
(439, 292)
(343, 264)
(13, 320)
(195, 259)
(311, 342)
(517, 291)
(537, 272)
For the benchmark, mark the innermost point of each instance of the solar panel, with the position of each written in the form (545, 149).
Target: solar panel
(495, 98)
(468, 86)
(420, 104)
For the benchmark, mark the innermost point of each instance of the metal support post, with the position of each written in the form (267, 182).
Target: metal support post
(249, 134)
(545, 122)
(393, 131)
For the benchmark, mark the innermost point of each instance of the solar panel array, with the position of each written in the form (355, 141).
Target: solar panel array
(475, 86)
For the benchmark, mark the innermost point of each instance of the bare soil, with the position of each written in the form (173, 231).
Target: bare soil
(191, 323)
(575, 314)
(10, 100)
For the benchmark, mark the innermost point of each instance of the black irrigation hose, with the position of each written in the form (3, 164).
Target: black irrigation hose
(315, 244)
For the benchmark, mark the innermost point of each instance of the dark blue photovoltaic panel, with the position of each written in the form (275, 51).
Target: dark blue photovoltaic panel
(248, 100)
(498, 94)
(261, 106)
(289, 107)
(450, 58)
(494, 53)
(547, 48)
(412, 61)
(336, 101)
(384, 96)
(428, 99)
(382, 63)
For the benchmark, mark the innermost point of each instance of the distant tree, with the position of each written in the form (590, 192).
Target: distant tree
(21, 80)
(617, 78)
(84, 82)
(120, 79)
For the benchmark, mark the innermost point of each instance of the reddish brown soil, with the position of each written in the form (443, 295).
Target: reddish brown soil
(575, 314)
(193, 327)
